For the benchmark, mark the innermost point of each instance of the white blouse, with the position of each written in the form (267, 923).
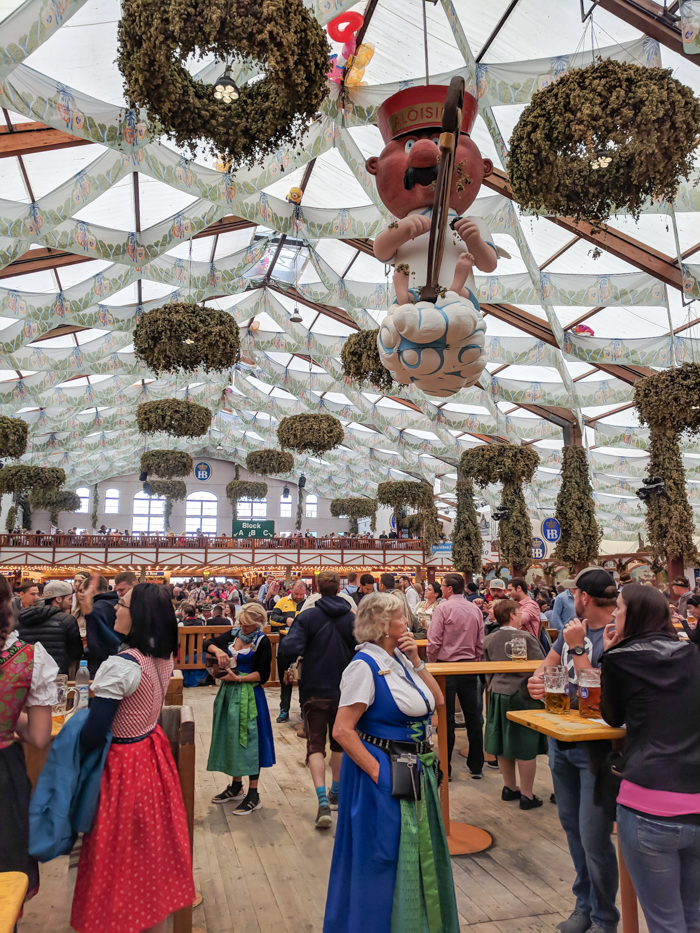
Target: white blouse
(116, 678)
(357, 684)
(42, 691)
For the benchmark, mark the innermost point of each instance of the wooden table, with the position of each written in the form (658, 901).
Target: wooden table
(13, 887)
(570, 727)
(463, 839)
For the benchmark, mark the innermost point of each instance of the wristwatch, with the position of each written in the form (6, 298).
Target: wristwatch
(578, 650)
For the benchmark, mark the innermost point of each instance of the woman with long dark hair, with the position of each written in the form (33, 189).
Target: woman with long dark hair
(27, 693)
(135, 867)
(651, 684)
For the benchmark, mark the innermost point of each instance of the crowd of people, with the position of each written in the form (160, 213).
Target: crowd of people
(366, 696)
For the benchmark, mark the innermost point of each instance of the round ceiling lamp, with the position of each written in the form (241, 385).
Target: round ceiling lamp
(225, 88)
(296, 317)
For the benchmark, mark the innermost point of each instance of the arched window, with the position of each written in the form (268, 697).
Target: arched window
(148, 514)
(251, 508)
(312, 506)
(112, 502)
(200, 513)
(285, 506)
(84, 494)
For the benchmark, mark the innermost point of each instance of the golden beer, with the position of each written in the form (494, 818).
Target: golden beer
(589, 702)
(556, 701)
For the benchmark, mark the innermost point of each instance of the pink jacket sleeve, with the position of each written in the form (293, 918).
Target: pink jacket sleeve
(435, 633)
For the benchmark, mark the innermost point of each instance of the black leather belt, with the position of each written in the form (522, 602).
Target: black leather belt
(390, 745)
(130, 741)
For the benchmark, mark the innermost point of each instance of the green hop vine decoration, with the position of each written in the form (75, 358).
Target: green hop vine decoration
(355, 509)
(362, 363)
(467, 543)
(14, 434)
(186, 336)
(580, 535)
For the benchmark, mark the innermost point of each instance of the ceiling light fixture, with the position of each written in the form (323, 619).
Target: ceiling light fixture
(225, 88)
(296, 317)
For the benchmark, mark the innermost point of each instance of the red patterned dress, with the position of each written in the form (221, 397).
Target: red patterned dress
(135, 867)
(27, 678)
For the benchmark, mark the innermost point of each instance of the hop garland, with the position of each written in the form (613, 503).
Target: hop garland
(362, 363)
(355, 509)
(156, 37)
(668, 402)
(11, 519)
(244, 489)
(95, 511)
(316, 434)
(187, 337)
(177, 417)
(171, 490)
(467, 543)
(269, 462)
(580, 534)
(55, 501)
(406, 493)
(20, 478)
(602, 139)
(166, 463)
(512, 466)
(14, 433)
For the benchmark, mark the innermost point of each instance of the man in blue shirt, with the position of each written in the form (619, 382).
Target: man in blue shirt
(564, 610)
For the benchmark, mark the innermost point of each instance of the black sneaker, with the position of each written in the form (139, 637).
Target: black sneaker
(333, 800)
(508, 794)
(283, 716)
(232, 792)
(476, 775)
(250, 803)
(493, 764)
(324, 820)
(530, 803)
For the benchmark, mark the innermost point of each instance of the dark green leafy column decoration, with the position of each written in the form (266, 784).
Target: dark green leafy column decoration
(580, 534)
(300, 508)
(511, 466)
(467, 543)
(55, 501)
(409, 494)
(355, 509)
(669, 402)
(243, 489)
(11, 519)
(95, 507)
(171, 490)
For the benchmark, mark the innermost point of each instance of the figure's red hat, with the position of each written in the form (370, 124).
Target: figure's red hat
(419, 108)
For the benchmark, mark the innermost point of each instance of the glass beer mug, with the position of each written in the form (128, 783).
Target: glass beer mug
(516, 649)
(58, 711)
(556, 690)
(589, 693)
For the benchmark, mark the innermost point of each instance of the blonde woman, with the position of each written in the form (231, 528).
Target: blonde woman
(381, 877)
(241, 735)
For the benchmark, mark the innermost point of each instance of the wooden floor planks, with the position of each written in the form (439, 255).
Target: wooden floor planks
(268, 872)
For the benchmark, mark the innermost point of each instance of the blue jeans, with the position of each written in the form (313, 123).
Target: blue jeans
(663, 860)
(588, 832)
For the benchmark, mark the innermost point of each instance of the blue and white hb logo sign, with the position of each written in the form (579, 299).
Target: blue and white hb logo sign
(202, 471)
(551, 530)
(539, 549)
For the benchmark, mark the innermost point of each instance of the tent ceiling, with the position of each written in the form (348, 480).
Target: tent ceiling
(96, 224)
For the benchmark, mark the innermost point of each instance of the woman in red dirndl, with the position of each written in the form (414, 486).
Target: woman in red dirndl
(135, 866)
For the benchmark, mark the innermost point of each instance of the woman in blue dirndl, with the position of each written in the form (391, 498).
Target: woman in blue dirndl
(391, 869)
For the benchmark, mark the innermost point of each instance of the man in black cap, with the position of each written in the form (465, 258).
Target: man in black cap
(588, 830)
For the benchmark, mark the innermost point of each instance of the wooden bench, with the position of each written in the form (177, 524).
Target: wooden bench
(174, 695)
(13, 888)
(177, 722)
(190, 655)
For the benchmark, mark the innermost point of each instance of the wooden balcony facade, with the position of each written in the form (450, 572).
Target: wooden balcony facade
(220, 556)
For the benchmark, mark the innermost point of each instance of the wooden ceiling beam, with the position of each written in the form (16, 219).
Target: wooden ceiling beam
(651, 19)
(619, 244)
(39, 260)
(28, 138)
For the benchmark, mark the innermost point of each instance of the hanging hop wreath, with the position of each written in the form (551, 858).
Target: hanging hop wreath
(54, 501)
(668, 402)
(512, 466)
(355, 509)
(95, 510)
(269, 462)
(14, 434)
(406, 493)
(467, 543)
(244, 489)
(177, 417)
(156, 37)
(314, 433)
(602, 139)
(20, 478)
(187, 337)
(580, 534)
(362, 363)
(166, 463)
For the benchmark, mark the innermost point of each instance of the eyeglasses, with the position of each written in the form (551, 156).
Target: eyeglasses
(120, 602)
